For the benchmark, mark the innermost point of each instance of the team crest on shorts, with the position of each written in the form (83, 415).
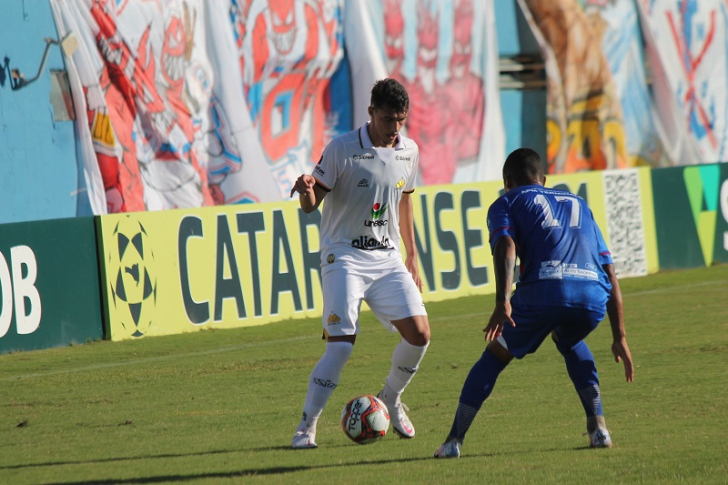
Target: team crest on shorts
(330, 258)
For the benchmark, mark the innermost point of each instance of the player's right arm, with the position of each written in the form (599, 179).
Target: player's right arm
(615, 311)
(310, 192)
(504, 265)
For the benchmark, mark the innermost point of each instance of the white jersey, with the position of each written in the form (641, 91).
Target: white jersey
(360, 215)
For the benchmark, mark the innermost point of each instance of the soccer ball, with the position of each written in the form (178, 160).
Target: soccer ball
(365, 419)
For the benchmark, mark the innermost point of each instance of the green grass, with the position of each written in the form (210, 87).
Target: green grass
(221, 406)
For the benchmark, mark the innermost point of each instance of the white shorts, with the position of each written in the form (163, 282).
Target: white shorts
(390, 293)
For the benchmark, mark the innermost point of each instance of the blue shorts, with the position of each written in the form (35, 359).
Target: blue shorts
(570, 325)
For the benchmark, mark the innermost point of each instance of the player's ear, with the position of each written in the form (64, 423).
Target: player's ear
(370, 110)
(543, 181)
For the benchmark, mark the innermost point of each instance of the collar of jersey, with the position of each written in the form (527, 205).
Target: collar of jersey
(366, 142)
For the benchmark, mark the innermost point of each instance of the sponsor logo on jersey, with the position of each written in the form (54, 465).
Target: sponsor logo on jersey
(362, 156)
(400, 157)
(333, 319)
(400, 183)
(363, 183)
(317, 169)
(379, 223)
(550, 270)
(378, 210)
(370, 243)
(377, 213)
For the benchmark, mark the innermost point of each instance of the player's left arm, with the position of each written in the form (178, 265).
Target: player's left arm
(407, 233)
(615, 311)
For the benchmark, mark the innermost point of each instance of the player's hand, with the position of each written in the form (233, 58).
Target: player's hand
(620, 349)
(501, 315)
(411, 265)
(304, 185)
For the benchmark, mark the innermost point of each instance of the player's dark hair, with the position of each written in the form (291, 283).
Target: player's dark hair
(523, 166)
(390, 94)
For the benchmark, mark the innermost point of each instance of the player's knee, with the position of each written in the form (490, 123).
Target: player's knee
(415, 330)
(423, 331)
(499, 352)
(559, 345)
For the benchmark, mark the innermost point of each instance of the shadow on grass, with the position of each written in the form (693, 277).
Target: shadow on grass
(281, 470)
(123, 458)
(249, 472)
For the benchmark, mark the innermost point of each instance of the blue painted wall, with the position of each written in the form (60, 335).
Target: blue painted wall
(39, 176)
(514, 34)
(524, 111)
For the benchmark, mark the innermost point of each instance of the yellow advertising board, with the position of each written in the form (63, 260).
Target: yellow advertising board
(232, 266)
(220, 267)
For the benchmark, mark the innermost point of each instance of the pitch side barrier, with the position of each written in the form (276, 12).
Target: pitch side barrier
(691, 215)
(176, 271)
(49, 284)
(233, 266)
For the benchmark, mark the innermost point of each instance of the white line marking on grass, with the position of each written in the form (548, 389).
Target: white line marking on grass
(161, 358)
(221, 350)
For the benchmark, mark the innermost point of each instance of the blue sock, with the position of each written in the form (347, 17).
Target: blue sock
(583, 373)
(476, 389)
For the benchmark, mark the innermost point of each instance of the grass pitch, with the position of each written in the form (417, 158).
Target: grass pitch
(221, 406)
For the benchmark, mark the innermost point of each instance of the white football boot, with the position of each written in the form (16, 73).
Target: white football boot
(401, 424)
(449, 449)
(303, 440)
(599, 438)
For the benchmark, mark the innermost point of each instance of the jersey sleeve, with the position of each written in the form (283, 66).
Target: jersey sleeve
(499, 222)
(326, 170)
(411, 183)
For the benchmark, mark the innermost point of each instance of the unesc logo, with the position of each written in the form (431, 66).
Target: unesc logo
(131, 277)
(18, 289)
(378, 211)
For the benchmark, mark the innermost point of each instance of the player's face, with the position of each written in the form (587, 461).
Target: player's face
(385, 125)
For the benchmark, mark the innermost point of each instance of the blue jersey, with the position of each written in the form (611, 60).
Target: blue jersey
(560, 247)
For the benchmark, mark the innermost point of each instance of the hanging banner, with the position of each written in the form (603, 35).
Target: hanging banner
(585, 121)
(617, 22)
(445, 53)
(294, 82)
(688, 41)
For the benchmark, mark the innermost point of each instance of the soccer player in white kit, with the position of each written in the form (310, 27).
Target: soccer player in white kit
(367, 177)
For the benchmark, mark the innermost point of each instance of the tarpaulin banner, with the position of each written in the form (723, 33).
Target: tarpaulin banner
(188, 103)
(445, 53)
(688, 41)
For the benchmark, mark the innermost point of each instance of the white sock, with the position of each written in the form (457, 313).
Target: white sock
(324, 379)
(405, 362)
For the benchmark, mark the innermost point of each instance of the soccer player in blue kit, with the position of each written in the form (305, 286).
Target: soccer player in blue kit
(567, 284)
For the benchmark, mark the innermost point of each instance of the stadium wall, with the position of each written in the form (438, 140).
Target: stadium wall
(49, 284)
(38, 167)
(168, 272)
